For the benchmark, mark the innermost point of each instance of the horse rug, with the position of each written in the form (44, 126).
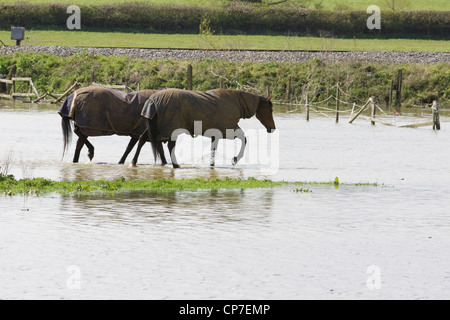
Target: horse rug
(107, 110)
(218, 109)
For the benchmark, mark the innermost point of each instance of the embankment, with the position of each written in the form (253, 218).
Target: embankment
(426, 76)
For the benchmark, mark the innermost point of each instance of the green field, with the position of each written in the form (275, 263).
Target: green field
(438, 5)
(239, 42)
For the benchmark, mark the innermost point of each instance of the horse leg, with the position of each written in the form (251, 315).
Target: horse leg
(241, 136)
(142, 141)
(171, 145)
(160, 149)
(80, 144)
(130, 147)
(85, 141)
(214, 143)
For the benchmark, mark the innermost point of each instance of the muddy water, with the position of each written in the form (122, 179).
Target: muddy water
(390, 241)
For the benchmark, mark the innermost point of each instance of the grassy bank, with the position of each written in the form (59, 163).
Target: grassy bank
(421, 83)
(239, 42)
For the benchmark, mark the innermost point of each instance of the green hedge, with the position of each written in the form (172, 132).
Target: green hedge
(232, 19)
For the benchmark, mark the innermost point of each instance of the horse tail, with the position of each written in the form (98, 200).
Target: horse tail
(153, 133)
(67, 133)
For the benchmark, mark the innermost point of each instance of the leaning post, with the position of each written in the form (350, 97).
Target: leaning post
(374, 109)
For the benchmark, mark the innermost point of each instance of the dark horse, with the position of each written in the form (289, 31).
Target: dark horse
(97, 111)
(214, 114)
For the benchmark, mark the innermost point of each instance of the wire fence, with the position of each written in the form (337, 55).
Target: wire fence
(357, 109)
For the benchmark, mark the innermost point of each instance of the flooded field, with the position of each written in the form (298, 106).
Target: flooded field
(389, 241)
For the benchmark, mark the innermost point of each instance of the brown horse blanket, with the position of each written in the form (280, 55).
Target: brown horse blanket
(106, 111)
(217, 109)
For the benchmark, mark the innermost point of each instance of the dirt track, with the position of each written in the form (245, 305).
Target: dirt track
(243, 55)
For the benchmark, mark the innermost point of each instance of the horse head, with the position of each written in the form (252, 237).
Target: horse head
(264, 113)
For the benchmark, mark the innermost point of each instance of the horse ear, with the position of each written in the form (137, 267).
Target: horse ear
(269, 97)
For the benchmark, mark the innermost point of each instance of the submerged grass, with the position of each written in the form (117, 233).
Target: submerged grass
(10, 186)
(38, 186)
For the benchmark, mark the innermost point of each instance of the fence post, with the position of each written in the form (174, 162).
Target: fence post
(268, 91)
(360, 111)
(436, 120)
(12, 74)
(374, 109)
(189, 77)
(307, 108)
(92, 76)
(399, 87)
(338, 97)
(390, 94)
(288, 89)
(328, 93)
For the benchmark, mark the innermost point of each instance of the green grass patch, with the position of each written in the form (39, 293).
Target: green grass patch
(38, 186)
(434, 5)
(237, 42)
(9, 186)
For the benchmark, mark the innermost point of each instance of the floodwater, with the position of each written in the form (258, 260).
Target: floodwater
(389, 241)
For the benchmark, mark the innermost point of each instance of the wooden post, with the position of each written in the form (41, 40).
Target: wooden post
(359, 112)
(2, 84)
(30, 89)
(189, 77)
(338, 97)
(12, 74)
(328, 93)
(288, 89)
(374, 109)
(307, 108)
(436, 120)
(398, 95)
(221, 83)
(68, 91)
(92, 76)
(268, 91)
(390, 94)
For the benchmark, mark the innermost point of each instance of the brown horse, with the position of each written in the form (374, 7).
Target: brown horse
(97, 111)
(214, 114)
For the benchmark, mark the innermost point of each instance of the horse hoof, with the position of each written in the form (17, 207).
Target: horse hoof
(132, 165)
(234, 161)
(175, 166)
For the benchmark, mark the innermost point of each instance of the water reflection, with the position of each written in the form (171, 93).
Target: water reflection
(252, 207)
(147, 172)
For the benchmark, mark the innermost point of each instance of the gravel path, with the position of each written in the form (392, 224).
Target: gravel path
(243, 55)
